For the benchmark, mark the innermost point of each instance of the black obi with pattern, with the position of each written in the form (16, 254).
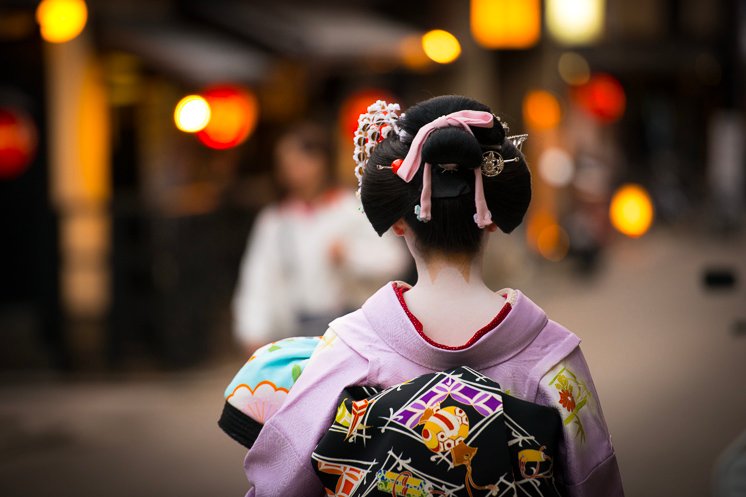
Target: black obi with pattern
(453, 433)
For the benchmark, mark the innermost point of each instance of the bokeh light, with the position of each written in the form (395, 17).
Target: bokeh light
(192, 114)
(234, 113)
(441, 46)
(575, 22)
(553, 243)
(61, 20)
(541, 110)
(556, 167)
(18, 139)
(573, 69)
(631, 210)
(602, 97)
(505, 23)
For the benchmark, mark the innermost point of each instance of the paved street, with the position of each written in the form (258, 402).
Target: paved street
(668, 365)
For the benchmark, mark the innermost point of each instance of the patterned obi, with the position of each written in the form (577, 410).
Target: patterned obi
(452, 433)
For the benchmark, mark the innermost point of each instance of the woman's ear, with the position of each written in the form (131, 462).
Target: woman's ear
(399, 227)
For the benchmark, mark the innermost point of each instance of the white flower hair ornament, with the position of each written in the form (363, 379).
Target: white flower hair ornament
(373, 127)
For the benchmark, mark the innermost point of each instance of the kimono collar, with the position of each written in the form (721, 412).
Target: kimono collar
(512, 330)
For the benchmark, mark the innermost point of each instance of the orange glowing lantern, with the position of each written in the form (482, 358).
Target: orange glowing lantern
(441, 46)
(234, 113)
(506, 23)
(541, 110)
(357, 104)
(18, 140)
(631, 210)
(602, 97)
(61, 20)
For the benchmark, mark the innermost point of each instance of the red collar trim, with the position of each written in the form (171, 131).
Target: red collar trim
(400, 289)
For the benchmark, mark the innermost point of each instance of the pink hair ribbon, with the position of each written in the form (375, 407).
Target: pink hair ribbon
(411, 163)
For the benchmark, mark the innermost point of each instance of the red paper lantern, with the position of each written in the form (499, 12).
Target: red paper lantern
(18, 139)
(602, 97)
(234, 113)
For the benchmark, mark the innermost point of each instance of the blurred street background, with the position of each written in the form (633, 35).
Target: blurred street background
(138, 147)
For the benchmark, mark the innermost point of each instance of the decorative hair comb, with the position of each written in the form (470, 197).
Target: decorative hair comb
(517, 140)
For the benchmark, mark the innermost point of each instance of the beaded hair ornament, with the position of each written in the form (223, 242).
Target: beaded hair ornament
(375, 125)
(372, 128)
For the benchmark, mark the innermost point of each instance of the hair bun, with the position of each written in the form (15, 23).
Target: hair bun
(452, 145)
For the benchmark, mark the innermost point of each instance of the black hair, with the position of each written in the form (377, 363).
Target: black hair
(387, 198)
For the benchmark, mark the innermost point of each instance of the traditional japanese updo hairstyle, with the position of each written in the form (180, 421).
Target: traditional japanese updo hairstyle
(386, 197)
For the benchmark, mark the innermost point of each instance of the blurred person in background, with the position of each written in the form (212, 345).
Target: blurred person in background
(310, 255)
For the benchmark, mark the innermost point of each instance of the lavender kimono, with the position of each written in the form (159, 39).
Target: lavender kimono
(532, 358)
